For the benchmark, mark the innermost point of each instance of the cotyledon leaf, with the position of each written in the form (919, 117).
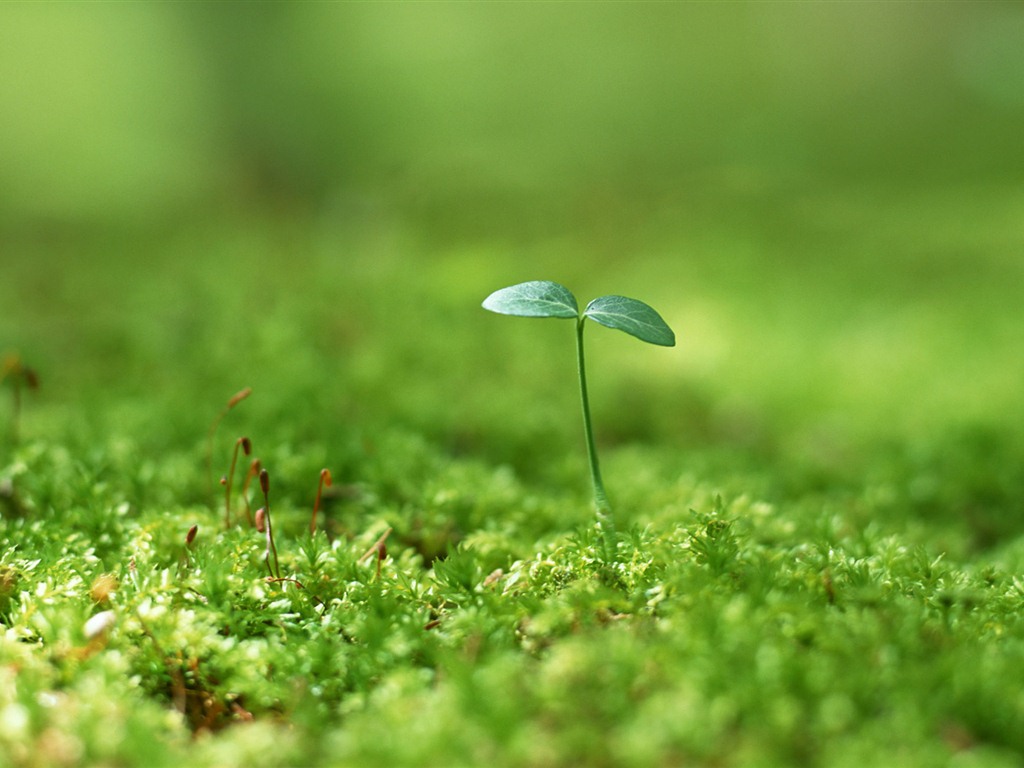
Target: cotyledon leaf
(537, 298)
(632, 316)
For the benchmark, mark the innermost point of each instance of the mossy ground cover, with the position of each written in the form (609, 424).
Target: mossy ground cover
(819, 493)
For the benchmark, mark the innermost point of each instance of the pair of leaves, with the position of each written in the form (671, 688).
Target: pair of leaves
(543, 298)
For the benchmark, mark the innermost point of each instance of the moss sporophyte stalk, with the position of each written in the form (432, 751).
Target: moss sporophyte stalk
(235, 399)
(543, 298)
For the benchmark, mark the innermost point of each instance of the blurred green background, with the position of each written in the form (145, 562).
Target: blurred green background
(826, 201)
(145, 112)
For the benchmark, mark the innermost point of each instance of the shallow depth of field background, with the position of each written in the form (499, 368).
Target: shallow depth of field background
(824, 201)
(820, 490)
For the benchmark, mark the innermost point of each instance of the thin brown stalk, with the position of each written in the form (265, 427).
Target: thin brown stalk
(234, 400)
(377, 547)
(325, 479)
(246, 446)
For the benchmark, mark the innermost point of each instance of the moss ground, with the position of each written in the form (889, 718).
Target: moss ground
(820, 490)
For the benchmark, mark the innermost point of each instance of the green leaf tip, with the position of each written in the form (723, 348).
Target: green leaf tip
(537, 298)
(632, 316)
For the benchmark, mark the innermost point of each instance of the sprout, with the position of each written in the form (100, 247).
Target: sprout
(543, 298)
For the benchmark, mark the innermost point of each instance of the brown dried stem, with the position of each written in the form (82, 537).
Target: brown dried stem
(325, 479)
(234, 400)
(271, 547)
(246, 446)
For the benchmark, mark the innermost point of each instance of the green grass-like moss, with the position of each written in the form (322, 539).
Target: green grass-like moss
(819, 498)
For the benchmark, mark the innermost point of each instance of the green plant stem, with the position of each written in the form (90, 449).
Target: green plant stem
(605, 521)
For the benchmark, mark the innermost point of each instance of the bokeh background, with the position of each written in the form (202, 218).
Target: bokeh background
(128, 113)
(826, 201)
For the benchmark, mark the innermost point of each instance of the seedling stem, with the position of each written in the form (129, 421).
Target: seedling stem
(603, 507)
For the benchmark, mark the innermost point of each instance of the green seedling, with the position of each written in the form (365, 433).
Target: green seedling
(543, 298)
(246, 445)
(325, 479)
(263, 525)
(235, 399)
(19, 375)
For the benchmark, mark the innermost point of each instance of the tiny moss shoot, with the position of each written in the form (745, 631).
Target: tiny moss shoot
(264, 525)
(254, 471)
(325, 480)
(379, 550)
(19, 375)
(543, 298)
(246, 445)
(234, 400)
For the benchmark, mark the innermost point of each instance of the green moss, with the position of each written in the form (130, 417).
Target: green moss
(820, 555)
